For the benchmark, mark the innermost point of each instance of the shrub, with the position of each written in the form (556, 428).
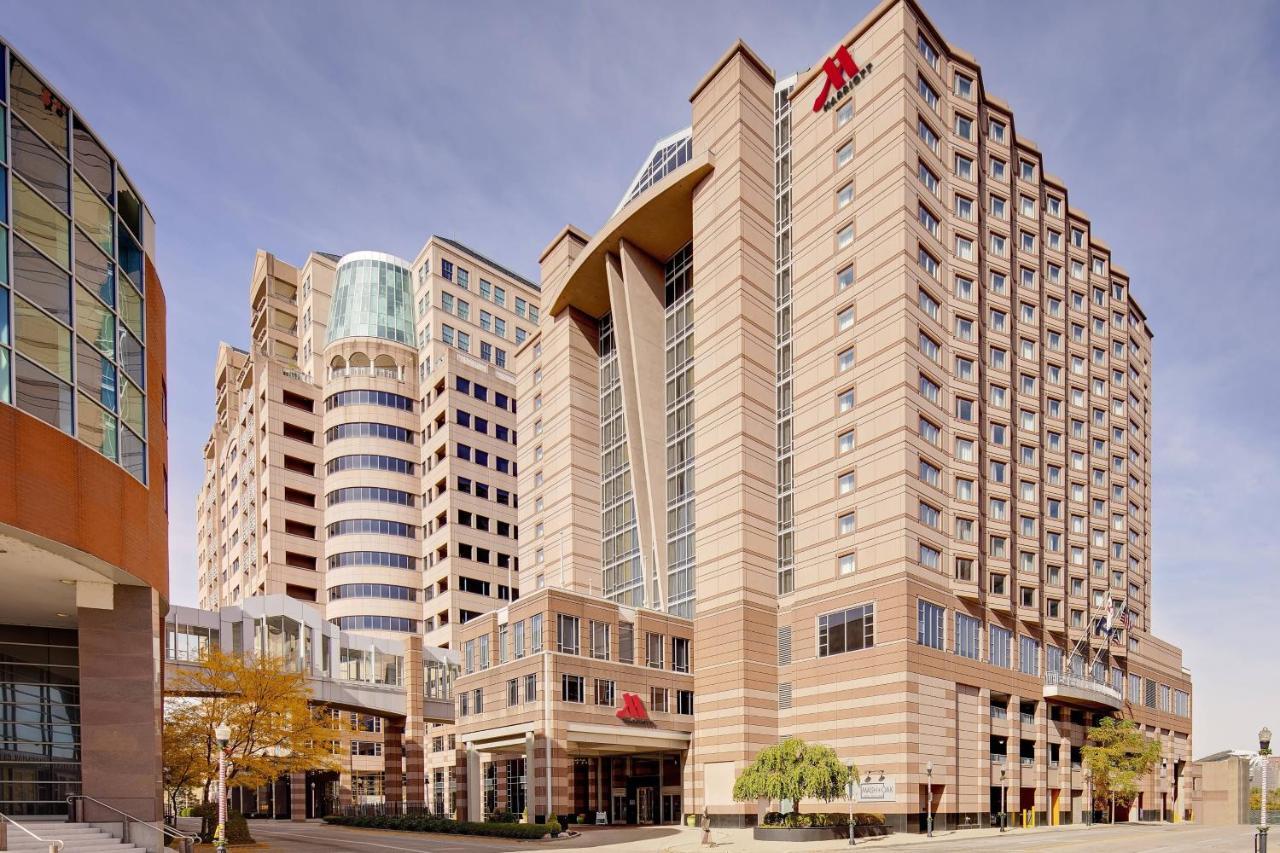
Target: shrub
(553, 826)
(237, 826)
(426, 823)
(798, 820)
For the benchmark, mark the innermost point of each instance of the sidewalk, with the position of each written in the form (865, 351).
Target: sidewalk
(741, 840)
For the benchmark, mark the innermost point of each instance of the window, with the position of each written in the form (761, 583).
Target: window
(844, 114)
(684, 702)
(567, 634)
(572, 688)
(847, 564)
(845, 401)
(926, 175)
(929, 618)
(930, 516)
(845, 278)
(680, 654)
(845, 154)
(998, 644)
(846, 630)
(653, 644)
(604, 692)
(928, 220)
(964, 86)
(845, 484)
(930, 557)
(926, 50)
(930, 473)
(964, 167)
(845, 360)
(930, 432)
(845, 442)
(600, 640)
(928, 304)
(968, 633)
(844, 197)
(930, 348)
(964, 207)
(927, 93)
(996, 130)
(1027, 170)
(535, 633)
(844, 237)
(964, 126)
(929, 389)
(927, 262)
(845, 524)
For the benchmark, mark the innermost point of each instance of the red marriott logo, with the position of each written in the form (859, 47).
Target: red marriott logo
(842, 75)
(632, 710)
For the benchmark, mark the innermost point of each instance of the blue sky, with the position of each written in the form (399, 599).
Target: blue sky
(293, 126)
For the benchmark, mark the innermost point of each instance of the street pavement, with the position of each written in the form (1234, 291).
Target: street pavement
(315, 837)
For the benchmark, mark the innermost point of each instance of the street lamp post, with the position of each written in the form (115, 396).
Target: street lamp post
(1004, 801)
(223, 734)
(853, 781)
(1088, 788)
(928, 771)
(1264, 752)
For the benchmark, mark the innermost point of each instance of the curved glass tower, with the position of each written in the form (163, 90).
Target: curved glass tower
(372, 298)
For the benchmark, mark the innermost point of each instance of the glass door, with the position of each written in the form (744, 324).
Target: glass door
(644, 805)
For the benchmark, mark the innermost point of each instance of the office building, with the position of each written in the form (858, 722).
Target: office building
(890, 490)
(363, 455)
(83, 466)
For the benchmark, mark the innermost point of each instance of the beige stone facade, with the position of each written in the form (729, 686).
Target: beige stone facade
(906, 399)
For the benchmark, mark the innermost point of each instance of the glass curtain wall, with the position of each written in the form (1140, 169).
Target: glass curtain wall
(623, 574)
(678, 277)
(39, 720)
(72, 275)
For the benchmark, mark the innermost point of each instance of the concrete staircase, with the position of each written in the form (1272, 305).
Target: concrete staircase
(76, 838)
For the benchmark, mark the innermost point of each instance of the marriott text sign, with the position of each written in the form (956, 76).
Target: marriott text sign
(842, 75)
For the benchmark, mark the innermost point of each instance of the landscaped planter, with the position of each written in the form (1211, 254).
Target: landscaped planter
(799, 833)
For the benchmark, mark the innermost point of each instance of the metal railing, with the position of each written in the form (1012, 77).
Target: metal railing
(384, 809)
(54, 844)
(75, 802)
(1080, 682)
(381, 372)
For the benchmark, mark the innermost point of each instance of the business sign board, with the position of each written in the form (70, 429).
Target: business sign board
(880, 791)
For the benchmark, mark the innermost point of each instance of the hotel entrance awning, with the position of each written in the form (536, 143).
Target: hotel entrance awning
(622, 739)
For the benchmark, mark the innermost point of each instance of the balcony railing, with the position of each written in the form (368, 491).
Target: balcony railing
(1027, 719)
(998, 713)
(380, 372)
(1101, 690)
(998, 758)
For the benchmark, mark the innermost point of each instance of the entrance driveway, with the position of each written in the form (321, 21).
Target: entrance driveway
(1124, 838)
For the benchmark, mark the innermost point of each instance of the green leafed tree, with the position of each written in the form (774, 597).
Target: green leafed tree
(794, 770)
(1118, 755)
(1273, 799)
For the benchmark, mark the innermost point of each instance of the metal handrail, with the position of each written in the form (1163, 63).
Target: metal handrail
(54, 844)
(167, 831)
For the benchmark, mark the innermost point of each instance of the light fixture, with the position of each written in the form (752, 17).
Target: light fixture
(63, 615)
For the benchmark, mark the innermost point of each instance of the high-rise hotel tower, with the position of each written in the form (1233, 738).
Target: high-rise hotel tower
(840, 427)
